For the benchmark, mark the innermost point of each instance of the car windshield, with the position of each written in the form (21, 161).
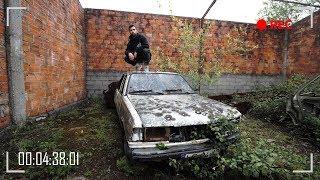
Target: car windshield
(157, 83)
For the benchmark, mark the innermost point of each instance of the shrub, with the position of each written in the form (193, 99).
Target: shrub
(261, 159)
(312, 123)
(269, 103)
(128, 168)
(269, 109)
(246, 159)
(218, 132)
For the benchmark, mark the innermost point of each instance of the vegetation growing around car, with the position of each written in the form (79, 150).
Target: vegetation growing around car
(256, 155)
(161, 146)
(218, 132)
(269, 104)
(89, 129)
(129, 168)
(94, 132)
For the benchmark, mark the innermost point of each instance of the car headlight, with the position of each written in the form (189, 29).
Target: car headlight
(137, 134)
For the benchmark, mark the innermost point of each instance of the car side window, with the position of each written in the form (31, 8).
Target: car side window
(122, 81)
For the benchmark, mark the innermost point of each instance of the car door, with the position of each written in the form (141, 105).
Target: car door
(122, 109)
(118, 97)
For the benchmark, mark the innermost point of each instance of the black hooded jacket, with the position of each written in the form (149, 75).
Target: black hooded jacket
(136, 42)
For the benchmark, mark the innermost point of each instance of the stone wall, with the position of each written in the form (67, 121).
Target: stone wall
(97, 81)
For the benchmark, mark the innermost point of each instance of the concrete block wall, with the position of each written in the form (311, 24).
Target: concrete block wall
(239, 83)
(97, 81)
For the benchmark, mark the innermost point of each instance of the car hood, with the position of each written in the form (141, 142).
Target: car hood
(179, 110)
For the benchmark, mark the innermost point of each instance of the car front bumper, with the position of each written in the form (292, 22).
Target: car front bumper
(148, 151)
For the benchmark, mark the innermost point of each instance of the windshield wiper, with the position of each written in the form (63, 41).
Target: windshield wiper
(140, 91)
(179, 90)
(145, 91)
(172, 90)
(188, 92)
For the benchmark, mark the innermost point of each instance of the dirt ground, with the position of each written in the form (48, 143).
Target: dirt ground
(94, 131)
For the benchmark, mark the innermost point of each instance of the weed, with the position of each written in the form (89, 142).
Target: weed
(255, 155)
(25, 144)
(161, 146)
(128, 168)
(88, 173)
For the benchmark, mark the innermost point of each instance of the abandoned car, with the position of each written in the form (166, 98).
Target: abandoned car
(305, 101)
(158, 111)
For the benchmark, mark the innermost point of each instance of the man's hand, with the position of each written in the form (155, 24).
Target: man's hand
(131, 56)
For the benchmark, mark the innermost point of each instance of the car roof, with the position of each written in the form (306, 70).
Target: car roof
(150, 72)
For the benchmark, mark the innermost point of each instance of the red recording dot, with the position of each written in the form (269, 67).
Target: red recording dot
(261, 24)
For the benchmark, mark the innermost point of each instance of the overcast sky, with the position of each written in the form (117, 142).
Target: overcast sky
(229, 10)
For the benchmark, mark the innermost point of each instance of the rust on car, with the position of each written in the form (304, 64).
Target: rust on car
(305, 101)
(161, 107)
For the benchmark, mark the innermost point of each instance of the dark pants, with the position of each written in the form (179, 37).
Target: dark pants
(143, 56)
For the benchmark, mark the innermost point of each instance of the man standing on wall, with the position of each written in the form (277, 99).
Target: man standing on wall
(137, 53)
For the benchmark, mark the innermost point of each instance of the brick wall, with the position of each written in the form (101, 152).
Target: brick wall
(55, 50)
(107, 33)
(304, 46)
(107, 36)
(4, 107)
(53, 44)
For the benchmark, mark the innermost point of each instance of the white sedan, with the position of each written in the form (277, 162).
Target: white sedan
(159, 111)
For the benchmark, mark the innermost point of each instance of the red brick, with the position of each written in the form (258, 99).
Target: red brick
(46, 66)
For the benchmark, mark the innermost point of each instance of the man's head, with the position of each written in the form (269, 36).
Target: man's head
(132, 30)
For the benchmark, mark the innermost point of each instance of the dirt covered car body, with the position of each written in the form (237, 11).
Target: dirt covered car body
(161, 108)
(305, 101)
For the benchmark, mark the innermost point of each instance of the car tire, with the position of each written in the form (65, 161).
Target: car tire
(126, 149)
